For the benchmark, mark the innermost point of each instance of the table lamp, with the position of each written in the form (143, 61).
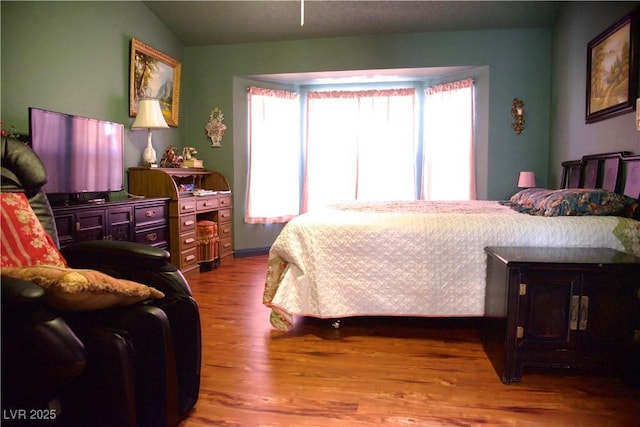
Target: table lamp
(527, 179)
(149, 117)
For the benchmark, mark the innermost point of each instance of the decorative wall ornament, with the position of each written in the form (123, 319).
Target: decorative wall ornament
(517, 111)
(215, 128)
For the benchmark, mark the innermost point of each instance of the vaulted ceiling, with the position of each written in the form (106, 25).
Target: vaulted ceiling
(198, 23)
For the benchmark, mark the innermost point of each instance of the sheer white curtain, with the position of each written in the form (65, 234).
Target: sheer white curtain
(273, 193)
(361, 145)
(448, 152)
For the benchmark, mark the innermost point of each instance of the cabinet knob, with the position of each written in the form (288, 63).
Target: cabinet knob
(152, 237)
(150, 213)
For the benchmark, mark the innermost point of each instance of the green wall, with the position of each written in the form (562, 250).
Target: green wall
(73, 57)
(519, 63)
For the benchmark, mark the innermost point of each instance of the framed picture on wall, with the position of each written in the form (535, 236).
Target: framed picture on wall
(154, 75)
(612, 70)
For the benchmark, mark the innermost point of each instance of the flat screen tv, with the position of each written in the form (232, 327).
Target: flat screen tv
(81, 155)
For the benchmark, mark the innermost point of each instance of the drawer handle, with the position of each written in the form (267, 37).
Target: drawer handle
(226, 245)
(189, 222)
(152, 237)
(226, 230)
(150, 214)
(189, 240)
(189, 257)
(225, 216)
(187, 207)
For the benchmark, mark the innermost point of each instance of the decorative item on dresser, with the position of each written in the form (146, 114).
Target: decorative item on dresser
(195, 195)
(137, 220)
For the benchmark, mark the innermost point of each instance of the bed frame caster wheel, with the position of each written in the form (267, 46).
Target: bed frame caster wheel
(336, 323)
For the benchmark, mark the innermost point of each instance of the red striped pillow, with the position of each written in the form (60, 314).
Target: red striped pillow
(25, 243)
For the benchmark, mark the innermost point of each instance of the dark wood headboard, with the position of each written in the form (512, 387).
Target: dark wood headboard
(618, 172)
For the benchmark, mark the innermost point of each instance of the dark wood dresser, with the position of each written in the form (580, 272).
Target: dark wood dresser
(562, 307)
(142, 220)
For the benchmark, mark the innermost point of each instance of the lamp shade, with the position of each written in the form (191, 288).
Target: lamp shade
(149, 115)
(527, 179)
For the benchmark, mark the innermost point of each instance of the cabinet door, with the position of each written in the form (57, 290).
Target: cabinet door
(90, 225)
(610, 314)
(120, 223)
(65, 225)
(544, 310)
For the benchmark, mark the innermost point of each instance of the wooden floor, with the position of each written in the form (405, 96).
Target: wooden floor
(372, 372)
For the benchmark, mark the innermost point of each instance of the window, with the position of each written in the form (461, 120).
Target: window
(361, 145)
(358, 145)
(448, 142)
(273, 193)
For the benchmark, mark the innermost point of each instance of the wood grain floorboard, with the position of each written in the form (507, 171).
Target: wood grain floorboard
(372, 371)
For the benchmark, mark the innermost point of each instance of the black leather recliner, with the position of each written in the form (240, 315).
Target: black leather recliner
(130, 366)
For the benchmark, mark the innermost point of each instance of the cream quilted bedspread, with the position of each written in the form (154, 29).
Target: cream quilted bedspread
(411, 258)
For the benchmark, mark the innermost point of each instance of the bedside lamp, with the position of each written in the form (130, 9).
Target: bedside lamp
(149, 117)
(527, 179)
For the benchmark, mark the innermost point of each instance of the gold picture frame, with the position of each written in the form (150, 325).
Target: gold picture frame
(612, 70)
(155, 75)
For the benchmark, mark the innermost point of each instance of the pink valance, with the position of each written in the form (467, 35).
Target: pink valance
(446, 87)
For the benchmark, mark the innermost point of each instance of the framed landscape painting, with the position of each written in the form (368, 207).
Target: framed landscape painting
(154, 75)
(612, 70)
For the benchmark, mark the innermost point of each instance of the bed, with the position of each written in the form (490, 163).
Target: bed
(427, 259)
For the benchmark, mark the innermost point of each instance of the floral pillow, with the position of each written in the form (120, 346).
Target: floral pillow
(24, 241)
(632, 208)
(581, 201)
(573, 202)
(528, 199)
(70, 289)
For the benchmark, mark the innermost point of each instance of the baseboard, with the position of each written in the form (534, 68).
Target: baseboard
(243, 253)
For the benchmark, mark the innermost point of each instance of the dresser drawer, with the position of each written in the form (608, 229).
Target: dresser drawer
(224, 215)
(154, 236)
(186, 206)
(205, 204)
(188, 258)
(225, 201)
(224, 230)
(187, 223)
(149, 215)
(226, 246)
(187, 241)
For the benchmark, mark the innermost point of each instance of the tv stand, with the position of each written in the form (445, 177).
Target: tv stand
(134, 220)
(76, 199)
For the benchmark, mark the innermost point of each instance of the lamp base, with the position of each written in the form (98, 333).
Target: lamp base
(149, 154)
